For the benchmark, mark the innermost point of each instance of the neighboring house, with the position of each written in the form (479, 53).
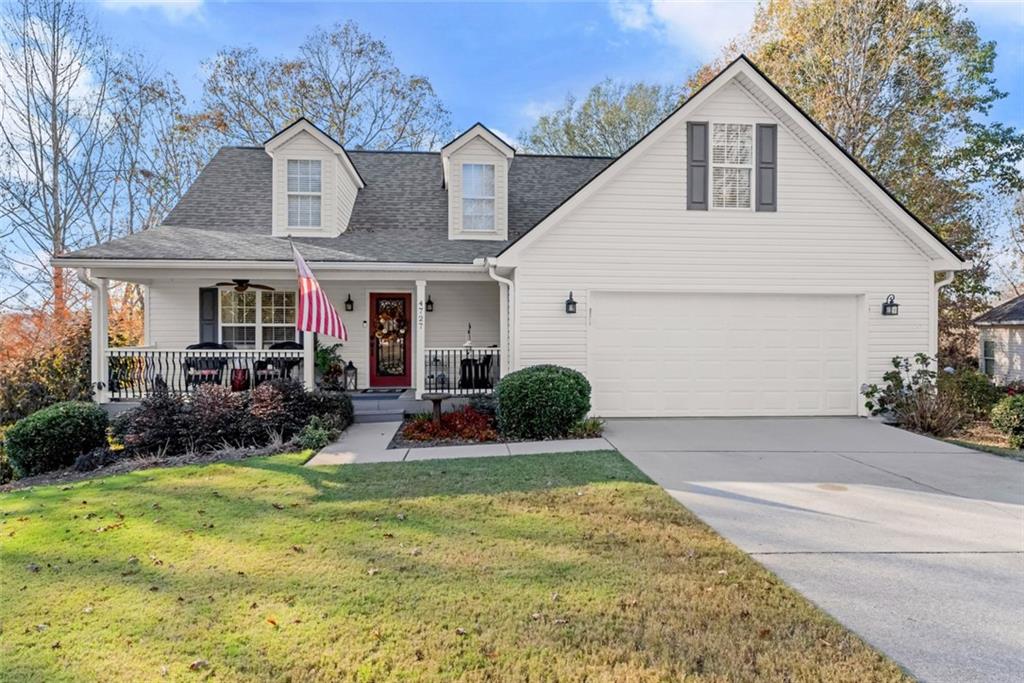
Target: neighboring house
(1001, 341)
(735, 261)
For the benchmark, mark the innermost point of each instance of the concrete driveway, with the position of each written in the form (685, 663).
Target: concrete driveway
(915, 544)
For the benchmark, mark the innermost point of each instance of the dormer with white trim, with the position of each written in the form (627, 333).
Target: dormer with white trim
(476, 166)
(314, 182)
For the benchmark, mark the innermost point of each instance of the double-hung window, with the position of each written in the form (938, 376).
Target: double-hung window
(255, 320)
(304, 193)
(478, 197)
(988, 358)
(732, 165)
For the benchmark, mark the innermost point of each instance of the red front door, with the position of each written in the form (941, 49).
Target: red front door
(390, 340)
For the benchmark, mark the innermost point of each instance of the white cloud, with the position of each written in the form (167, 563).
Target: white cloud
(173, 10)
(697, 27)
(534, 109)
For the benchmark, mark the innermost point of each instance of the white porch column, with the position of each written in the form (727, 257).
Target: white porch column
(503, 329)
(147, 338)
(308, 367)
(101, 339)
(419, 339)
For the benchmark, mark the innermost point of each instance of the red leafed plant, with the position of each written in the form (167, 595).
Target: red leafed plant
(466, 424)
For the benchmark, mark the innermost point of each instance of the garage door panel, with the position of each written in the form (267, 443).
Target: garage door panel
(723, 354)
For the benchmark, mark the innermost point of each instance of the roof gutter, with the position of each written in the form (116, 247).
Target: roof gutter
(490, 264)
(81, 264)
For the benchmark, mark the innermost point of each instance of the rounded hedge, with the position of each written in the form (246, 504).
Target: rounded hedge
(1008, 417)
(541, 402)
(54, 437)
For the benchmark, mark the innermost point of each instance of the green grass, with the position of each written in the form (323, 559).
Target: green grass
(542, 568)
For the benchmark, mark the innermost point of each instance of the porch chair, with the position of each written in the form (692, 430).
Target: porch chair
(204, 370)
(277, 368)
(475, 374)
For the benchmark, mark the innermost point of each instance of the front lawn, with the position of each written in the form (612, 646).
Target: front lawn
(551, 567)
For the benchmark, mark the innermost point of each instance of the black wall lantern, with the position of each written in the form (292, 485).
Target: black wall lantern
(349, 304)
(570, 305)
(430, 304)
(351, 377)
(890, 307)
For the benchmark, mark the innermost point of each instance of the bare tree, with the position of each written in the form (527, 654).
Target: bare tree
(342, 79)
(54, 77)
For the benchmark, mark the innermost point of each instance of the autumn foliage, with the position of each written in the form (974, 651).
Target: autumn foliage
(464, 424)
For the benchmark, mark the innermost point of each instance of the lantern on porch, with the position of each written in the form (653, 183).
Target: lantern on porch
(349, 304)
(351, 377)
(430, 305)
(570, 305)
(890, 307)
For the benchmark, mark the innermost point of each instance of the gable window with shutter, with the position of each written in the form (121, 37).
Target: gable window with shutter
(732, 165)
(478, 197)
(304, 193)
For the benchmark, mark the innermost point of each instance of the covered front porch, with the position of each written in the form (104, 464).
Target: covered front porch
(409, 332)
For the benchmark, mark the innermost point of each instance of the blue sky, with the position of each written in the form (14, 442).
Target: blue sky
(500, 63)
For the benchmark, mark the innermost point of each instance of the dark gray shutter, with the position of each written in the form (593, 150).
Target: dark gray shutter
(697, 166)
(767, 168)
(208, 314)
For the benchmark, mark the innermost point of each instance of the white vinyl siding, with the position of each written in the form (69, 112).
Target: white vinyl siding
(478, 197)
(732, 165)
(1001, 350)
(634, 233)
(323, 212)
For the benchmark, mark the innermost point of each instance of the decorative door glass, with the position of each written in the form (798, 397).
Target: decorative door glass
(392, 327)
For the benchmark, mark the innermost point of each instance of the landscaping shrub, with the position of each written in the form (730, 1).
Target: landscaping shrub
(541, 402)
(911, 397)
(485, 404)
(159, 426)
(219, 418)
(317, 433)
(281, 407)
(6, 471)
(96, 458)
(53, 437)
(1008, 417)
(972, 390)
(465, 424)
(334, 407)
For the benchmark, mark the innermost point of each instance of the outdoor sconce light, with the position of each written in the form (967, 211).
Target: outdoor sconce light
(351, 377)
(570, 305)
(890, 307)
(430, 304)
(349, 304)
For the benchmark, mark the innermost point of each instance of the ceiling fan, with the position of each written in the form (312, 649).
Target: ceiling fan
(242, 285)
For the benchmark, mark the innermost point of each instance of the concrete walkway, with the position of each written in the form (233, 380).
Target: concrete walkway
(915, 544)
(366, 442)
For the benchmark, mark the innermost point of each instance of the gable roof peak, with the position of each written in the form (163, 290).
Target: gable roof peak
(479, 130)
(302, 124)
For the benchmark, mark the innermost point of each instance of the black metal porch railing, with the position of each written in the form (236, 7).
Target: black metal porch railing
(136, 373)
(462, 371)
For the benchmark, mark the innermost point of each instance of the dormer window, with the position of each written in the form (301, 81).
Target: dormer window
(478, 197)
(304, 193)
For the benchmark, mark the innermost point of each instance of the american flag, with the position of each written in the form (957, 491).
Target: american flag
(316, 314)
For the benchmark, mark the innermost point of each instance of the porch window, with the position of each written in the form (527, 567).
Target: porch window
(304, 193)
(255, 320)
(732, 165)
(478, 197)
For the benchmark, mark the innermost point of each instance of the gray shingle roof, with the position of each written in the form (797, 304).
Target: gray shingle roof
(400, 216)
(1007, 313)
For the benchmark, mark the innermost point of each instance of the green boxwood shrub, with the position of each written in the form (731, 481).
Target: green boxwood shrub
(53, 437)
(541, 402)
(972, 390)
(333, 407)
(1008, 417)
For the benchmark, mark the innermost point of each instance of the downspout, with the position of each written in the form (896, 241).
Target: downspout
(97, 335)
(491, 265)
(939, 284)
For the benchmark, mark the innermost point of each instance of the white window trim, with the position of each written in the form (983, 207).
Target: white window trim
(289, 195)
(258, 344)
(711, 164)
(494, 198)
(985, 369)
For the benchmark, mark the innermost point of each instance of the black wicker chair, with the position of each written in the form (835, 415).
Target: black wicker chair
(475, 374)
(277, 367)
(204, 370)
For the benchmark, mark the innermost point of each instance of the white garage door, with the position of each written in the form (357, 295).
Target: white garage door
(658, 354)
